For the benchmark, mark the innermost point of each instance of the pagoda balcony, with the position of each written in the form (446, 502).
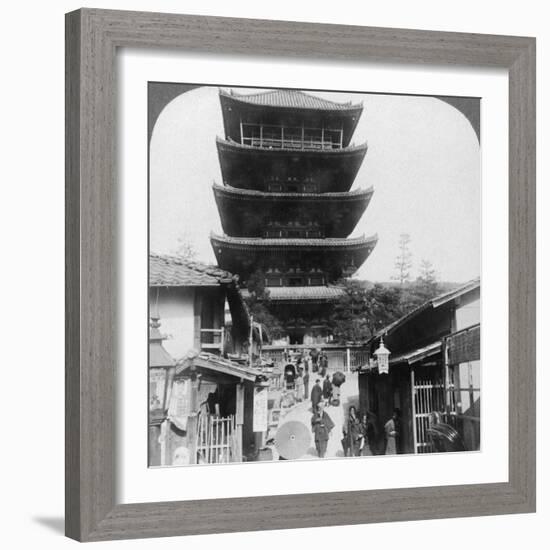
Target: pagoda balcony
(302, 114)
(249, 167)
(291, 137)
(246, 213)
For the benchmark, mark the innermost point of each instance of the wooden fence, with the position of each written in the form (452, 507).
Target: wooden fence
(216, 441)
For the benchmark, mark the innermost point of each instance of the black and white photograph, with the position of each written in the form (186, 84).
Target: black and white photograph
(314, 274)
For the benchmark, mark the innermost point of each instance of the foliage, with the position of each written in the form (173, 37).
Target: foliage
(185, 248)
(362, 310)
(257, 302)
(365, 309)
(403, 262)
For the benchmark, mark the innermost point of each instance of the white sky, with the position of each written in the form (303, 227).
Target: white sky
(423, 161)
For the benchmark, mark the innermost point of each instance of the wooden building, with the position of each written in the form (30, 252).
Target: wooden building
(285, 204)
(434, 371)
(201, 403)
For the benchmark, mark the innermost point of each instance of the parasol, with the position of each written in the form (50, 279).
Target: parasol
(292, 439)
(338, 378)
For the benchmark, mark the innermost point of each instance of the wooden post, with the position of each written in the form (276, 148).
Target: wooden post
(447, 378)
(250, 340)
(239, 421)
(413, 407)
(348, 359)
(241, 127)
(192, 422)
(197, 311)
(162, 439)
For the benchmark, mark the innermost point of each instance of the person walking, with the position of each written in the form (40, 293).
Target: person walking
(314, 354)
(316, 395)
(299, 385)
(321, 426)
(353, 434)
(327, 390)
(323, 364)
(391, 429)
(306, 382)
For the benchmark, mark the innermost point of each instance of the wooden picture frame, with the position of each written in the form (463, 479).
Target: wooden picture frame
(92, 39)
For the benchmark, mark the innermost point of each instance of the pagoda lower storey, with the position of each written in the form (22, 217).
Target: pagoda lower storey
(304, 313)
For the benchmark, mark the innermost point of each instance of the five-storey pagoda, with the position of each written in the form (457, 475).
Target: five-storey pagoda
(285, 204)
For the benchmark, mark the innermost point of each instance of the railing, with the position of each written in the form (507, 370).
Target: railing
(346, 359)
(212, 339)
(289, 143)
(290, 137)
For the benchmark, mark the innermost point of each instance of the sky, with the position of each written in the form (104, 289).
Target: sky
(423, 161)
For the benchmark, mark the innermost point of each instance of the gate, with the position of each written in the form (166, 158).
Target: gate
(216, 440)
(428, 396)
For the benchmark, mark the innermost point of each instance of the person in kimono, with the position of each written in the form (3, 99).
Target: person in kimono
(299, 385)
(327, 390)
(316, 395)
(391, 429)
(353, 434)
(321, 426)
(306, 382)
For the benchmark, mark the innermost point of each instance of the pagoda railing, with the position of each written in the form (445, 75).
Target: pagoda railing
(290, 137)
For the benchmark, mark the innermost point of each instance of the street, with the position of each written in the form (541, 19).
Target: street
(302, 412)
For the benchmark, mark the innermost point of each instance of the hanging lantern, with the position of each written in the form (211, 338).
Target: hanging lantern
(383, 358)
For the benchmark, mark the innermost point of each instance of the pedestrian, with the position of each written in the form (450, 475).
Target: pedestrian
(370, 434)
(327, 390)
(321, 425)
(299, 385)
(314, 354)
(391, 429)
(353, 434)
(316, 395)
(323, 364)
(306, 382)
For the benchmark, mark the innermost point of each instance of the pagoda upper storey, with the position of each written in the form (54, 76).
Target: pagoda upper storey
(289, 170)
(246, 213)
(288, 119)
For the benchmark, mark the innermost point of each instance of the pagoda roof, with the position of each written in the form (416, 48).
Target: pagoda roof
(247, 167)
(303, 293)
(336, 257)
(291, 99)
(341, 196)
(268, 244)
(248, 213)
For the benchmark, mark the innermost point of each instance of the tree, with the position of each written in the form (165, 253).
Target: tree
(258, 300)
(426, 286)
(403, 262)
(185, 248)
(362, 311)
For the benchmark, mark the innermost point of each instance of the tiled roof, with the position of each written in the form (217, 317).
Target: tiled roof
(433, 303)
(298, 243)
(344, 195)
(165, 270)
(305, 293)
(293, 99)
(219, 364)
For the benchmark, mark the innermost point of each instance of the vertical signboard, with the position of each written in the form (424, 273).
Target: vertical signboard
(259, 423)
